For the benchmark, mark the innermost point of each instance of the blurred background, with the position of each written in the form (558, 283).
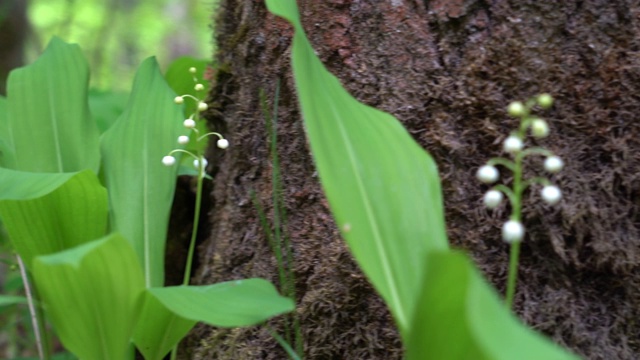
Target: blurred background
(115, 36)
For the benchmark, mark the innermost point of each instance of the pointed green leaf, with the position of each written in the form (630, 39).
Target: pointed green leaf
(48, 113)
(45, 213)
(229, 304)
(383, 188)
(91, 295)
(140, 187)
(459, 316)
(159, 329)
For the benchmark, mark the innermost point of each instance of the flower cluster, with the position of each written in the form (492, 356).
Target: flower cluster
(199, 162)
(513, 230)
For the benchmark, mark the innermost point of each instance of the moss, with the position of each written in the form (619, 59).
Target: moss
(448, 74)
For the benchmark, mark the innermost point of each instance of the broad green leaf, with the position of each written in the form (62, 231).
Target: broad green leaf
(46, 213)
(383, 188)
(91, 294)
(229, 304)
(183, 82)
(459, 316)
(140, 187)
(6, 142)
(6, 300)
(159, 329)
(48, 113)
(106, 107)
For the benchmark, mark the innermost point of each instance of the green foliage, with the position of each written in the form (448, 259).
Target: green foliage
(106, 107)
(8, 300)
(50, 128)
(91, 294)
(49, 212)
(101, 294)
(378, 181)
(140, 187)
(461, 317)
(117, 35)
(384, 192)
(159, 329)
(246, 302)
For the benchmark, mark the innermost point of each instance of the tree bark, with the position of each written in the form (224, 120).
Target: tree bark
(446, 70)
(14, 29)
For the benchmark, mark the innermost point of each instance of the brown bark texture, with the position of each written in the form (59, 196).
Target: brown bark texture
(447, 70)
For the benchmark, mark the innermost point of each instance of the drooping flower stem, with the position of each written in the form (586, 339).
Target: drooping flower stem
(196, 221)
(516, 214)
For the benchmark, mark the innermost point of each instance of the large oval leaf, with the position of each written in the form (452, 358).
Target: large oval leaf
(91, 295)
(140, 187)
(461, 317)
(383, 188)
(49, 123)
(159, 329)
(45, 213)
(228, 304)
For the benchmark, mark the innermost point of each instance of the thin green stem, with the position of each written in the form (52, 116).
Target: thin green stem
(192, 243)
(514, 253)
(537, 180)
(535, 150)
(285, 345)
(275, 248)
(36, 321)
(502, 161)
(210, 133)
(505, 190)
(196, 221)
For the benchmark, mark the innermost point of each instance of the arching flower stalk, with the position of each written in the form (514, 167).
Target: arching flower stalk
(513, 231)
(199, 162)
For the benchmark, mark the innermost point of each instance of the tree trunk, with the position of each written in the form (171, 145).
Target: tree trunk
(446, 70)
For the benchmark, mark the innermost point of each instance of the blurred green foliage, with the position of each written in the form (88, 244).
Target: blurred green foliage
(116, 35)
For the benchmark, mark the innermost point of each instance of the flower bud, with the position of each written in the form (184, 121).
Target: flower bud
(553, 164)
(192, 70)
(178, 100)
(492, 199)
(512, 231)
(539, 128)
(545, 101)
(202, 106)
(168, 160)
(512, 144)
(551, 194)
(199, 87)
(196, 163)
(488, 174)
(516, 109)
(183, 139)
(189, 123)
(222, 143)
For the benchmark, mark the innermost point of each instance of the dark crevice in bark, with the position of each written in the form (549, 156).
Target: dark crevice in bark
(446, 70)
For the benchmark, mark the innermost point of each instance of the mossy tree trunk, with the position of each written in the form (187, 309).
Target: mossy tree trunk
(447, 70)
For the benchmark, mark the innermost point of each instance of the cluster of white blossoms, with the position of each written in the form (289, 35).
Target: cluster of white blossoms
(199, 161)
(513, 230)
